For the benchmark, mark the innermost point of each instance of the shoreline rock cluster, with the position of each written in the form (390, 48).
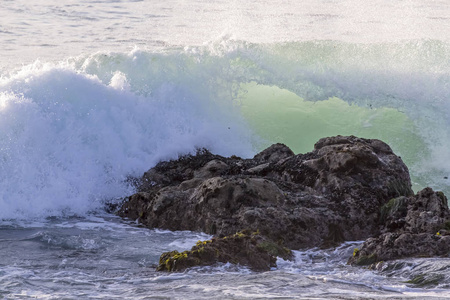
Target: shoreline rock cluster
(347, 188)
(415, 226)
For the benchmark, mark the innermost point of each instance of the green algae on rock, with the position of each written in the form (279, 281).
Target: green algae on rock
(243, 248)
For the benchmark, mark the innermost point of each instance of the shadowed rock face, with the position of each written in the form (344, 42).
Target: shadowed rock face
(412, 226)
(321, 198)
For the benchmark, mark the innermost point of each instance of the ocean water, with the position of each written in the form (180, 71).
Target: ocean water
(93, 92)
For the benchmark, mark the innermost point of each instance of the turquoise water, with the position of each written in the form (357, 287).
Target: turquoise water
(280, 115)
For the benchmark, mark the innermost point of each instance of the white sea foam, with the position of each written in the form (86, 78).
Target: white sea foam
(69, 140)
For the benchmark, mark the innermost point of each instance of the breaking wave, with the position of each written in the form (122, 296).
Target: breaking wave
(73, 132)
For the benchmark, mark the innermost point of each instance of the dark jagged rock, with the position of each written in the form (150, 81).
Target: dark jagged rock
(412, 227)
(274, 153)
(321, 198)
(244, 248)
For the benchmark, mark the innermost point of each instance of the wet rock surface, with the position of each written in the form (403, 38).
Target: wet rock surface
(244, 248)
(319, 199)
(416, 226)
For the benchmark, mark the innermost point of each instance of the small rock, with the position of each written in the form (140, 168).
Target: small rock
(243, 248)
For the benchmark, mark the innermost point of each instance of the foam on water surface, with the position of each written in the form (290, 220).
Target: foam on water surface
(104, 256)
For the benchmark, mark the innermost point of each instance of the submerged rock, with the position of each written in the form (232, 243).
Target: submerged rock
(340, 191)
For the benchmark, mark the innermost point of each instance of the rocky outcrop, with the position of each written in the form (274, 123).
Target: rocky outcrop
(321, 198)
(412, 226)
(244, 248)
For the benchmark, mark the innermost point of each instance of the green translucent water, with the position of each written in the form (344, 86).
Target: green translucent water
(278, 115)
